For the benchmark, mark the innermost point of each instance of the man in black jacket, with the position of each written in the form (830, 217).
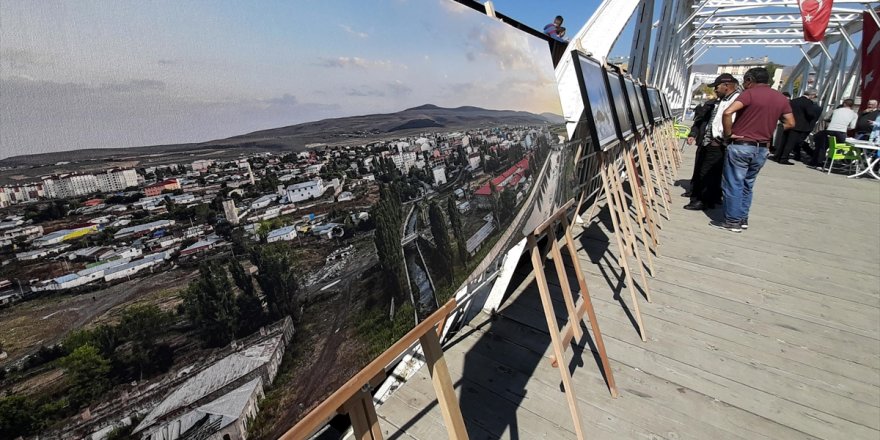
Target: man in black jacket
(702, 113)
(806, 114)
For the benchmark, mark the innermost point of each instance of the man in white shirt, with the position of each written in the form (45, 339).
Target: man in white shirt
(842, 119)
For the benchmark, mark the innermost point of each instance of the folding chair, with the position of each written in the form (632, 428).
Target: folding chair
(841, 152)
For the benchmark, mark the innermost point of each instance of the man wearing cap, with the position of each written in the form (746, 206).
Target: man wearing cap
(706, 189)
(806, 113)
(757, 110)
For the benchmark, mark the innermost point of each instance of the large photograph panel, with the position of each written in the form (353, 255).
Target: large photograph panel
(621, 107)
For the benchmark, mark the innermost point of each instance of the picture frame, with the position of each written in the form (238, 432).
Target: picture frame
(644, 106)
(598, 111)
(632, 97)
(619, 101)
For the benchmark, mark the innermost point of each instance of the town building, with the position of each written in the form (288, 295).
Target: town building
(510, 178)
(64, 235)
(116, 180)
(230, 212)
(165, 185)
(143, 229)
(404, 161)
(72, 185)
(286, 233)
(305, 190)
(740, 67)
(439, 175)
(219, 401)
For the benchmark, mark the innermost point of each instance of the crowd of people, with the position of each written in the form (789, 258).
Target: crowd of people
(736, 131)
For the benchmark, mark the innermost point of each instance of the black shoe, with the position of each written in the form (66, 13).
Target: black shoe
(744, 224)
(732, 227)
(787, 162)
(695, 205)
(686, 194)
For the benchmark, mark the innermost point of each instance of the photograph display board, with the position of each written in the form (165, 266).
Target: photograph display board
(665, 104)
(597, 100)
(654, 102)
(621, 107)
(642, 95)
(632, 96)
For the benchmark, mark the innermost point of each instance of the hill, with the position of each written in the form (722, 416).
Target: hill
(296, 137)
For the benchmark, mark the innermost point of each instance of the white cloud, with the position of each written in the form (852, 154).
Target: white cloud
(353, 62)
(351, 31)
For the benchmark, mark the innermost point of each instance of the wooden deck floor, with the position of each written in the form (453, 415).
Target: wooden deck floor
(769, 334)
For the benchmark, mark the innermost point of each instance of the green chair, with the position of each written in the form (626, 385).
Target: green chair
(841, 152)
(681, 131)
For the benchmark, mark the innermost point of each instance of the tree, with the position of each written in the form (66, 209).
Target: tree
(277, 280)
(210, 304)
(441, 236)
(457, 229)
(387, 217)
(251, 315)
(142, 325)
(87, 373)
(18, 416)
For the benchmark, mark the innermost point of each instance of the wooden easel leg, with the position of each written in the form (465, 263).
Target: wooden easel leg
(620, 245)
(629, 234)
(588, 305)
(443, 386)
(645, 211)
(558, 349)
(567, 296)
(650, 183)
(639, 202)
(362, 413)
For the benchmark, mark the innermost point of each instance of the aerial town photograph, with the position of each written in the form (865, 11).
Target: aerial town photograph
(190, 256)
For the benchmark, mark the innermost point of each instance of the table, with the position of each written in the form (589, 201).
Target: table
(869, 153)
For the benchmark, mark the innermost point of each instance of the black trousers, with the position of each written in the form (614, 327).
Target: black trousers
(793, 141)
(708, 188)
(698, 163)
(821, 150)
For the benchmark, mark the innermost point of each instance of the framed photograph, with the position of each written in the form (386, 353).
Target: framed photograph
(632, 95)
(666, 113)
(643, 104)
(654, 102)
(621, 106)
(597, 100)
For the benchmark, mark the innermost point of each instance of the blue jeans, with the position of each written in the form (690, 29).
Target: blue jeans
(741, 168)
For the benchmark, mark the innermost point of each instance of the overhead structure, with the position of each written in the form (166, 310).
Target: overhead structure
(667, 44)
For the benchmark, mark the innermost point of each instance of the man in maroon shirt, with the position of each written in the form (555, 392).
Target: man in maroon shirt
(757, 111)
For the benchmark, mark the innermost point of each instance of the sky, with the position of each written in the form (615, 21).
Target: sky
(97, 74)
(94, 74)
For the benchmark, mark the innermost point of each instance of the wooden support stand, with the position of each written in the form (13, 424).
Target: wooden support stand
(561, 339)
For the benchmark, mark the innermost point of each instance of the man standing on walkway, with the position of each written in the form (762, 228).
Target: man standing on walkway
(706, 188)
(806, 114)
(842, 119)
(702, 113)
(757, 110)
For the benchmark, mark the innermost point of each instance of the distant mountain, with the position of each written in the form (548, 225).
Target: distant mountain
(553, 118)
(296, 137)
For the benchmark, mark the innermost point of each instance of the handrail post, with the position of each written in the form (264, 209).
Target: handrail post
(446, 397)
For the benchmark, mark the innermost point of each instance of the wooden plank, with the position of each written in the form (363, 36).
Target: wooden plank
(709, 381)
(443, 386)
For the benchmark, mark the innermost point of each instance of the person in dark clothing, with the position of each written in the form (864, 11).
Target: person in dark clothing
(706, 193)
(863, 124)
(806, 114)
(702, 113)
(780, 135)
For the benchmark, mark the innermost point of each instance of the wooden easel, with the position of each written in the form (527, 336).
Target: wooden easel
(561, 339)
(623, 232)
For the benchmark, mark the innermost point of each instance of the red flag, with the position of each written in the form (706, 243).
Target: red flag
(870, 59)
(815, 15)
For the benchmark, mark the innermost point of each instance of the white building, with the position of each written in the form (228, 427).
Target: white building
(286, 233)
(264, 201)
(474, 161)
(439, 175)
(117, 180)
(73, 185)
(404, 161)
(202, 165)
(305, 190)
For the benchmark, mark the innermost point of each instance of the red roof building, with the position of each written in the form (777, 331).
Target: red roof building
(157, 188)
(507, 179)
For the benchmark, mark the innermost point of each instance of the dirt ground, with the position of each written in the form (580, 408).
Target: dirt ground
(45, 321)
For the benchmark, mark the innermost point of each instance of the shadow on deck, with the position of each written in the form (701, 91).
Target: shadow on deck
(769, 334)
